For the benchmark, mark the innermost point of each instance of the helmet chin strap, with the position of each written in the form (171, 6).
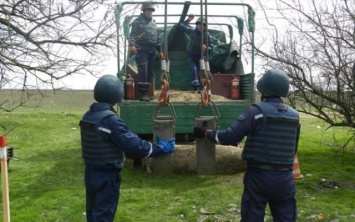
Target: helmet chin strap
(264, 96)
(112, 109)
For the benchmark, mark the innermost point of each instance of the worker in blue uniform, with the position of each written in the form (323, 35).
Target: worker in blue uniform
(144, 42)
(194, 48)
(272, 129)
(104, 140)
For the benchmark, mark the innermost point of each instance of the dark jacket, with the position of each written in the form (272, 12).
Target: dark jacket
(276, 141)
(252, 123)
(194, 44)
(144, 34)
(108, 136)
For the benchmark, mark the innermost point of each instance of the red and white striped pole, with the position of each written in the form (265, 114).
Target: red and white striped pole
(4, 179)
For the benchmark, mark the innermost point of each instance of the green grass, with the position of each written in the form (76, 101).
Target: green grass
(47, 183)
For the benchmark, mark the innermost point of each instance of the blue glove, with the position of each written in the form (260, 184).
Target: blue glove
(168, 146)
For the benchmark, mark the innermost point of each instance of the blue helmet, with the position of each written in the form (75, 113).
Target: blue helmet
(108, 89)
(274, 82)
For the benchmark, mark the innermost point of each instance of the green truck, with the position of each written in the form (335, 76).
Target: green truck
(225, 63)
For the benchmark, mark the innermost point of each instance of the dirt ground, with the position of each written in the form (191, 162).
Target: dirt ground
(228, 159)
(184, 161)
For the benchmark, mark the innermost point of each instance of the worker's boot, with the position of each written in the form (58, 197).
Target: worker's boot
(197, 89)
(143, 97)
(150, 97)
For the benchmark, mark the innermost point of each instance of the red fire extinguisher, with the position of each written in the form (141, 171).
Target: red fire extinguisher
(235, 93)
(129, 88)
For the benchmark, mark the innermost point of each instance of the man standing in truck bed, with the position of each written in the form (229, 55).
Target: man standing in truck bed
(144, 42)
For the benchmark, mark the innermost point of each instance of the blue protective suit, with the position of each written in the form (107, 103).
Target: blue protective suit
(105, 130)
(267, 182)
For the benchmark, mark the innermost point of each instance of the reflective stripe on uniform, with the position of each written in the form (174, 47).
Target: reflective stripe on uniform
(216, 138)
(259, 116)
(104, 130)
(150, 150)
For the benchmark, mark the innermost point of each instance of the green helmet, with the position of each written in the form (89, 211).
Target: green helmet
(274, 82)
(199, 20)
(108, 89)
(148, 5)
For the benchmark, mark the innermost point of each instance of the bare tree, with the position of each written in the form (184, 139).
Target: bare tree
(317, 51)
(43, 41)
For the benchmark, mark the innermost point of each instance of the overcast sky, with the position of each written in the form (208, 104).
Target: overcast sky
(110, 66)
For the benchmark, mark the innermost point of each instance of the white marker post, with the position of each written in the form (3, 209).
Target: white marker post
(4, 179)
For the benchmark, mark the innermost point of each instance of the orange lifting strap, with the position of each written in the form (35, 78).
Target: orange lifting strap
(204, 95)
(164, 95)
(206, 81)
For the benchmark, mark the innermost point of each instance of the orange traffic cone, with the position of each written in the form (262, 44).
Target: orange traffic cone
(296, 169)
